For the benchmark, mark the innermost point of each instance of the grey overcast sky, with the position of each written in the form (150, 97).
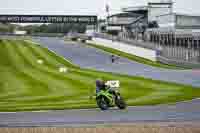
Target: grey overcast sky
(88, 7)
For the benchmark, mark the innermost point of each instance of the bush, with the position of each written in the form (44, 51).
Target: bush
(74, 39)
(83, 41)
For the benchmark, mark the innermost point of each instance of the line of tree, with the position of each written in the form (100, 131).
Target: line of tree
(7, 27)
(55, 28)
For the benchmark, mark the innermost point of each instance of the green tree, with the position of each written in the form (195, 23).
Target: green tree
(43, 28)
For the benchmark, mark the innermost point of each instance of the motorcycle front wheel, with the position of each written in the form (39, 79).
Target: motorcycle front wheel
(102, 102)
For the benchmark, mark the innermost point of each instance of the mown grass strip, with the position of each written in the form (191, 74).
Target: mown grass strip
(53, 76)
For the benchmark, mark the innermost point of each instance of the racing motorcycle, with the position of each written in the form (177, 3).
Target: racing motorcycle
(110, 97)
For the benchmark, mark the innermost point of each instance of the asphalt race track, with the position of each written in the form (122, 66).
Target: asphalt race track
(181, 112)
(88, 57)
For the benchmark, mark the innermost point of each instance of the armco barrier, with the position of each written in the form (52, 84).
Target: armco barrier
(131, 49)
(133, 42)
(179, 63)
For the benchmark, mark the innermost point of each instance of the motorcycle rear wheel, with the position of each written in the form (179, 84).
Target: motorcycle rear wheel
(120, 103)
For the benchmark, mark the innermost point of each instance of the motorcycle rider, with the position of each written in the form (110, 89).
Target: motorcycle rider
(104, 99)
(101, 85)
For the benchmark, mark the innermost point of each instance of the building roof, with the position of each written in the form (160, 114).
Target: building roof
(179, 14)
(160, 3)
(144, 8)
(126, 18)
(124, 14)
(136, 9)
(187, 14)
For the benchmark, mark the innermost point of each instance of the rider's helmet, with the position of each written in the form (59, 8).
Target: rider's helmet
(100, 83)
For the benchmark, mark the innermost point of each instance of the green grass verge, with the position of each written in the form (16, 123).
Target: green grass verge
(26, 85)
(134, 58)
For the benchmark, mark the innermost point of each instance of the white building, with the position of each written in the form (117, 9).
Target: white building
(178, 21)
(135, 20)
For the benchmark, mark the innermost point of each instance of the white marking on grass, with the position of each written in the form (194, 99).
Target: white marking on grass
(39, 61)
(63, 69)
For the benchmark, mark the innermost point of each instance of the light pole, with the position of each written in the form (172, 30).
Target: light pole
(108, 12)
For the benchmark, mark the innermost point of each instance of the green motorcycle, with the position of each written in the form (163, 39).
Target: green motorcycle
(109, 98)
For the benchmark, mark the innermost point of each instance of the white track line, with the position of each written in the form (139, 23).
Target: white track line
(43, 111)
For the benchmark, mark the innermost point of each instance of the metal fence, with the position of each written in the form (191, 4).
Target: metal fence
(178, 44)
(173, 47)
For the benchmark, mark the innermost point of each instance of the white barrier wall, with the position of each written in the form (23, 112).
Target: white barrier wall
(138, 51)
